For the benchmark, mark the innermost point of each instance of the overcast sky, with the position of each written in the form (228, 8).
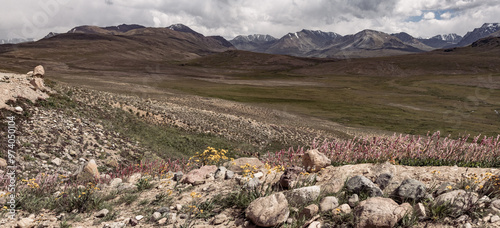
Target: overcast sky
(229, 18)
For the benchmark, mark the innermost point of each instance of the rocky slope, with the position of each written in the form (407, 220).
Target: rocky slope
(65, 141)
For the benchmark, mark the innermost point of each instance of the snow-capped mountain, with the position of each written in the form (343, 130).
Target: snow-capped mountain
(442, 40)
(256, 42)
(304, 41)
(452, 38)
(257, 38)
(478, 33)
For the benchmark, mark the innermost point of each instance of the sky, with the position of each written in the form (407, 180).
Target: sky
(229, 18)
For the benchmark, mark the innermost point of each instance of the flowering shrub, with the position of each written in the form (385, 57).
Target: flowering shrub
(210, 156)
(430, 150)
(78, 198)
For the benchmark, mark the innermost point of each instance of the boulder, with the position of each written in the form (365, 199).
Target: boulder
(302, 196)
(25, 223)
(290, 177)
(344, 209)
(115, 182)
(379, 212)
(229, 174)
(101, 213)
(313, 160)
(383, 180)
(252, 184)
(419, 210)
(309, 211)
(353, 200)
(236, 165)
(360, 184)
(39, 71)
(268, 211)
(219, 219)
(89, 172)
(155, 217)
(198, 176)
(220, 174)
(328, 203)
(495, 206)
(3, 163)
(411, 189)
(38, 84)
(458, 199)
(315, 224)
(56, 161)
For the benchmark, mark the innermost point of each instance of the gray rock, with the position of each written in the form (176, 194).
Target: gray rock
(379, 212)
(495, 206)
(328, 203)
(171, 217)
(458, 199)
(162, 221)
(462, 219)
(101, 213)
(156, 216)
(383, 180)
(114, 225)
(229, 174)
(353, 200)
(309, 211)
(494, 218)
(25, 223)
(43, 156)
(419, 210)
(314, 161)
(302, 196)
(178, 176)
(220, 174)
(163, 210)
(252, 184)
(219, 219)
(411, 189)
(115, 182)
(56, 161)
(360, 184)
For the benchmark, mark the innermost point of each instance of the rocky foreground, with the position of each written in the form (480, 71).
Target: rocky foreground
(364, 195)
(244, 192)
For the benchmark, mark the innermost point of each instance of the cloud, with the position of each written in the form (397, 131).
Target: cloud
(32, 18)
(446, 15)
(429, 15)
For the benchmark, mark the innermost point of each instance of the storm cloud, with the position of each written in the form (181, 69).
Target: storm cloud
(229, 18)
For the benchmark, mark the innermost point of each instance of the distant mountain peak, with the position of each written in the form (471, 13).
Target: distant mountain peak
(258, 38)
(451, 37)
(485, 30)
(490, 25)
(182, 28)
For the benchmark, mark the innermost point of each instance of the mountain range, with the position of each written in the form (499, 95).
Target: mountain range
(181, 42)
(367, 43)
